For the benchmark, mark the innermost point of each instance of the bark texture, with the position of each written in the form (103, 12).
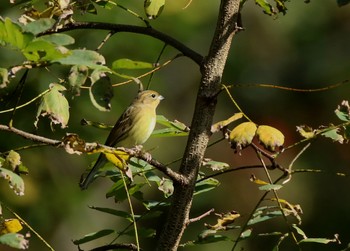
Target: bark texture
(212, 70)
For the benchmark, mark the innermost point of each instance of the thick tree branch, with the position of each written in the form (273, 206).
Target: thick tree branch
(212, 71)
(149, 31)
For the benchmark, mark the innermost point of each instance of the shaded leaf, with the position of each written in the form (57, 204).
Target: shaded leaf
(115, 212)
(77, 77)
(321, 240)
(153, 8)
(15, 181)
(270, 137)
(14, 240)
(39, 26)
(41, 50)
(143, 232)
(55, 106)
(93, 236)
(261, 216)
(166, 186)
(246, 234)
(342, 2)
(174, 128)
(212, 239)
(242, 135)
(101, 91)
(58, 39)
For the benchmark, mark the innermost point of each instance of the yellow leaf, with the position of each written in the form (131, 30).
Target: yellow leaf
(270, 137)
(221, 124)
(224, 220)
(242, 135)
(118, 158)
(10, 226)
(254, 179)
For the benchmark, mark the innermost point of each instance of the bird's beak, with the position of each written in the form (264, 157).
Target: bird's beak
(160, 97)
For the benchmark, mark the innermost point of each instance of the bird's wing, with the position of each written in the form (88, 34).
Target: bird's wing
(121, 127)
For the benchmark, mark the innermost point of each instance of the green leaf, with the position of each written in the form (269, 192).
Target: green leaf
(58, 39)
(261, 216)
(270, 137)
(269, 187)
(39, 26)
(215, 165)
(246, 234)
(242, 135)
(91, 59)
(206, 185)
(93, 236)
(11, 33)
(41, 50)
(101, 91)
(128, 64)
(174, 128)
(266, 6)
(55, 106)
(319, 240)
(166, 186)
(299, 231)
(334, 135)
(77, 77)
(15, 181)
(3, 78)
(343, 111)
(115, 212)
(212, 239)
(14, 240)
(142, 232)
(153, 8)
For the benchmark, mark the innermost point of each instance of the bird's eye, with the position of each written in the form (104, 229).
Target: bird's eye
(153, 95)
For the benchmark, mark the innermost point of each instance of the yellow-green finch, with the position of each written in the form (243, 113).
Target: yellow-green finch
(133, 128)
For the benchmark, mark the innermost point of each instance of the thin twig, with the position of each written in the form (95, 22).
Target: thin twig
(198, 218)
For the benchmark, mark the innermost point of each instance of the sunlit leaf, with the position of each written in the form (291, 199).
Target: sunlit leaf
(11, 33)
(10, 226)
(3, 78)
(14, 240)
(221, 124)
(55, 106)
(174, 128)
(306, 131)
(242, 135)
(206, 185)
(128, 64)
(41, 50)
(15, 181)
(299, 231)
(91, 59)
(321, 240)
(270, 137)
(270, 187)
(101, 91)
(266, 6)
(261, 216)
(246, 234)
(334, 135)
(224, 220)
(93, 236)
(343, 111)
(153, 8)
(215, 165)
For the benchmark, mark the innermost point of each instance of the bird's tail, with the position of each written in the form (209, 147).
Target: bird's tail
(85, 181)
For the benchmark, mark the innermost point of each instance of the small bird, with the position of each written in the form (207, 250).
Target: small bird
(133, 128)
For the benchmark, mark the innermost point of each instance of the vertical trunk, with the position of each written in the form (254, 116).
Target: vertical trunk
(212, 69)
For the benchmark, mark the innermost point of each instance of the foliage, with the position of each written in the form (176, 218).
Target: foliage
(40, 40)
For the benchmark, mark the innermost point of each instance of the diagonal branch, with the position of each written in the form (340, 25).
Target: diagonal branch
(149, 31)
(90, 147)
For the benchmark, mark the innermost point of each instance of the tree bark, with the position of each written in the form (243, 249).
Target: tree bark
(212, 70)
